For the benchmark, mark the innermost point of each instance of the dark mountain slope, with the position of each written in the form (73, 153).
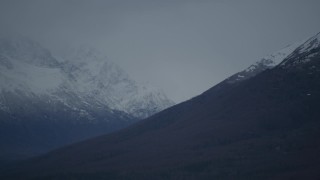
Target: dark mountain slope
(267, 127)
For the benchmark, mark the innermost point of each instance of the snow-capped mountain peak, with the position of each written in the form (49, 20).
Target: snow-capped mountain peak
(100, 78)
(84, 74)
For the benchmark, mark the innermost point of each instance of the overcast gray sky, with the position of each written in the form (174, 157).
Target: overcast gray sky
(181, 46)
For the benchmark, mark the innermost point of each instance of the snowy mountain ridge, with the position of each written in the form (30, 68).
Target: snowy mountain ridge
(267, 62)
(304, 53)
(85, 74)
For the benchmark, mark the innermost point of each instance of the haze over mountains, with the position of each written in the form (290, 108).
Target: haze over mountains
(263, 127)
(47, 100)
